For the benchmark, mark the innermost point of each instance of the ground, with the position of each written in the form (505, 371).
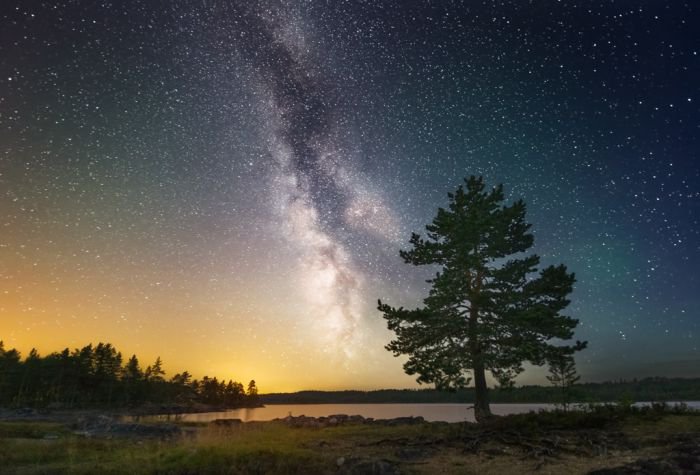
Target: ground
(603, 442)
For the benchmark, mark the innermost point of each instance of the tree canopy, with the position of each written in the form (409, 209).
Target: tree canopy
(489, 307)
(94, 376)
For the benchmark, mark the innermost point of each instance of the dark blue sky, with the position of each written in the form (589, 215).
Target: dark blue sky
(246, 172)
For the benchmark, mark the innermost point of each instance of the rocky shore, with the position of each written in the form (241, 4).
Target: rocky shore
(329, 421)
(640, 442)
(92, 423)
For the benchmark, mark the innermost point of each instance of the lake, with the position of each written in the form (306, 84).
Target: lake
(430, 412)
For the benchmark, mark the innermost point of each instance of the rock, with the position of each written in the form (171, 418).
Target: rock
(93, 423)
(104, 426)
(340, 461)
(400, 421)
(305, 421)
(342, 419)
(357, 419)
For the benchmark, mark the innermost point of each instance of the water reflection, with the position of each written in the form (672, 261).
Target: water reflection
(430, 412)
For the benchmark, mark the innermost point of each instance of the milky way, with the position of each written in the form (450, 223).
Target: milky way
(317, 191)
(228, 184)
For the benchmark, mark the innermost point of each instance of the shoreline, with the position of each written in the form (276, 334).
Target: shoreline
(155, 410)
(604, 441)
(61, 414)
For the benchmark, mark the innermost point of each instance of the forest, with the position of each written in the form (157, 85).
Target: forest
(647, 389)
(98, 376)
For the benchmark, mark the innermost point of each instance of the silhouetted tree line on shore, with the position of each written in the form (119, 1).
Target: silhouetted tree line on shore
(648, 389)
(96, 376)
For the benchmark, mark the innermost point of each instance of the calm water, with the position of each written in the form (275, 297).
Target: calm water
(430, 412)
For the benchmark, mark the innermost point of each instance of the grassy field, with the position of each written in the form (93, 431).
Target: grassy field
(542, 443)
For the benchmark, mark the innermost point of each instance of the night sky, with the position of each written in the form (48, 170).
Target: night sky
(227, 184)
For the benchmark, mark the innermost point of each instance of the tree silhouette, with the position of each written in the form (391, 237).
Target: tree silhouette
(132, 370)
(562, 374)
(485, 311)
(10, 373)
(93, 376)
(132, 381)
(234, 393)
(252, 393)
(182, 379)
(155, 372)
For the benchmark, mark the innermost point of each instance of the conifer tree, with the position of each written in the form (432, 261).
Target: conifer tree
(132, 370)
(562, 374)
(488, 308)
(252, 393)
(155, 373)
(133, 380)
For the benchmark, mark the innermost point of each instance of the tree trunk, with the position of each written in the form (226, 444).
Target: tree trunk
(482, 410)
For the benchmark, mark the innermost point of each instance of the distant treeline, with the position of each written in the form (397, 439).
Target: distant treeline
(96, 376)
(648, 389)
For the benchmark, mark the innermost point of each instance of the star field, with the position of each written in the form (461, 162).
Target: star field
(227, 184)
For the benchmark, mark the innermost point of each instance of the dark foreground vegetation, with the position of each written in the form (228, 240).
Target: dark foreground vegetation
(97, 376)
(648, 389)
(600, 440)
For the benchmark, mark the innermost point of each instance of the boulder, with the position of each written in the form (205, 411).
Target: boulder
(400, 421)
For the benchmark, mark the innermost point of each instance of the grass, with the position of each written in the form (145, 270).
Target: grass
(667, 425)
(35, 430)
(273, 448)
(257, 449)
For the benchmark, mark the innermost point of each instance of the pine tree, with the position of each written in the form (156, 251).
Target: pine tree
(155, 373)
(182, 379)
(132, 370)
(10, 374)
(562, 374)
(485, 310)
(133, 381)
(252, 393)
